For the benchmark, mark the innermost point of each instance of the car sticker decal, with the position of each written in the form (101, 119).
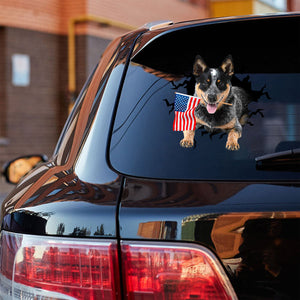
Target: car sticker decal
(216, 106)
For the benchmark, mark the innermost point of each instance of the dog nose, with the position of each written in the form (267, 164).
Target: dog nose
(211, 98)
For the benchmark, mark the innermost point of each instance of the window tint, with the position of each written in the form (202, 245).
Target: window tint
(265, 67)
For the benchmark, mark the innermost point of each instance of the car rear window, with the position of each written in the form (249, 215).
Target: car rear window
(265, 66)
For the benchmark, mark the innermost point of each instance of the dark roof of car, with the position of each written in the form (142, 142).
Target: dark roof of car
(232, 35)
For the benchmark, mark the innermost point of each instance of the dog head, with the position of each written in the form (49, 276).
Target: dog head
(213, 85)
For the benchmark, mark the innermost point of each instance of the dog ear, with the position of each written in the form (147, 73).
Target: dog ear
(227, 65)
(199, 66)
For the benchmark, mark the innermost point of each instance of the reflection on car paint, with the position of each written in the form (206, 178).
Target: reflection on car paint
(54, 209)
(258, 249)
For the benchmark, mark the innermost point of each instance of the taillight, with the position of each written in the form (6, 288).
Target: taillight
(58, 268)
(34, 267)
(168, 271)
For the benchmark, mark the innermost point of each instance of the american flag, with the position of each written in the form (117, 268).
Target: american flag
(185, 106)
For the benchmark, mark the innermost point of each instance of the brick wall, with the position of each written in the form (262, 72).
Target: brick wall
(35, 14)
(88, 53)
(53, 15)
(138, 12)
(31, 117)
(294, 5)
(2, 87)
(32, 114)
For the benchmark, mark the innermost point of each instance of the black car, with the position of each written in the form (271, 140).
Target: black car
(129, 207)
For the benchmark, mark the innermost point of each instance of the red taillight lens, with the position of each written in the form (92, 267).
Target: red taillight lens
(61, 268)
(164, 271)
(9, 246)
(33, 267)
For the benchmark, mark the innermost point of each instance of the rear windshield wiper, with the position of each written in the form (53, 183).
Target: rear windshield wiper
(288, 160)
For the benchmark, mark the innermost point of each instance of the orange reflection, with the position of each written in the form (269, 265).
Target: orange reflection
(21, 167)
(158, 230)
(227, 230)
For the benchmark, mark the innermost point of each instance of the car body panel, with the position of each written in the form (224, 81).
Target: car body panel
(67, 206)
(253, 228)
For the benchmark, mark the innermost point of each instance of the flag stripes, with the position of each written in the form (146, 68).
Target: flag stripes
(185, 106)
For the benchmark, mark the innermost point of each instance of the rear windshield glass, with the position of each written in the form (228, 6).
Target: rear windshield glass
(210, 102)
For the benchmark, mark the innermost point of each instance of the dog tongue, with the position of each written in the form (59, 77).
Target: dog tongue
(211, 108)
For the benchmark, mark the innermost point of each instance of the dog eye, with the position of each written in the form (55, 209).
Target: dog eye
(221, 85)
(208, 80)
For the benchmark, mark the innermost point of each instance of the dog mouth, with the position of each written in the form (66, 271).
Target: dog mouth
(212, 107)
